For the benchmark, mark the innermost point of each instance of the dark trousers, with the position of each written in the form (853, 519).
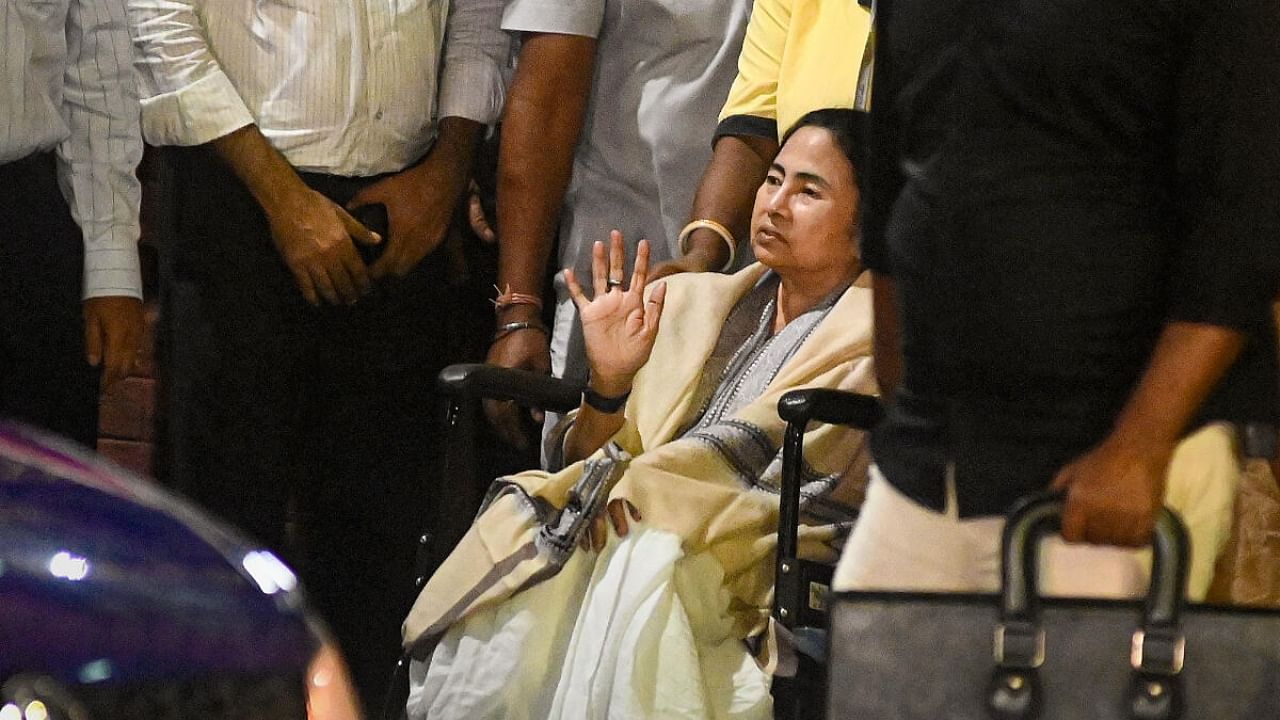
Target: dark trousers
(44, 378)
(322, 420)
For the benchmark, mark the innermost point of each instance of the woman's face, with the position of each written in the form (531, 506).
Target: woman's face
(805, 216)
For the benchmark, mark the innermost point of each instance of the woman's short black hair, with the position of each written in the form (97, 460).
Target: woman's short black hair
(845, 126)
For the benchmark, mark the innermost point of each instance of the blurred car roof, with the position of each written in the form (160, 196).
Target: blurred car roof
(107, 578)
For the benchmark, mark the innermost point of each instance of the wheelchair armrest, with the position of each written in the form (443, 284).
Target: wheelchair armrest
(798, 408)
(476, 381)
(834, 407)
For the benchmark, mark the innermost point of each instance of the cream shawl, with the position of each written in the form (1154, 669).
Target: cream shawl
(685, 485)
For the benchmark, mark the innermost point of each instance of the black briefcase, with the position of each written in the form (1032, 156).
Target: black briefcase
(932, 656)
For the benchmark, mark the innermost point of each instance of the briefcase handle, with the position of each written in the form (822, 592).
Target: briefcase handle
(1157, 647)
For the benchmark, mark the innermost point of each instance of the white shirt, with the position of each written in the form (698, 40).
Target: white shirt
(66, 83)
(346, 88)
(662, 71)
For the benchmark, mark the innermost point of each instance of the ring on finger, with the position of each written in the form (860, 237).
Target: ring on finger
(612, 283)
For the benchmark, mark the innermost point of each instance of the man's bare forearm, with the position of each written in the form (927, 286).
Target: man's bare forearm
(1188, 362)
(269, 177)
(456, 143)
(727, 193)
(543, 119)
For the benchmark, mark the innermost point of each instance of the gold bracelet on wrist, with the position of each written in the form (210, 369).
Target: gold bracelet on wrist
(716, 228)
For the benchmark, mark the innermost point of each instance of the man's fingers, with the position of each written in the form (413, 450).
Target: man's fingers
(504, 417)
(343, 282)
(355, 228)
(1073, 515)
(121, 349)
(355, 269)
(324, 285)
(115, 370)
(351, 265)
(302, 278)
(479, 223)
(389, 263)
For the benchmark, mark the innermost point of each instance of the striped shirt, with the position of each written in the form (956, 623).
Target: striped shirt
(66, 84)
(347, 88)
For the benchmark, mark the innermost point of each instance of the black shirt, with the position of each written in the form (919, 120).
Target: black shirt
(1048, 184)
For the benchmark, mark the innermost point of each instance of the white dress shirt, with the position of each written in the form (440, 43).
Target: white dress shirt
(346, 88)
(66, 83)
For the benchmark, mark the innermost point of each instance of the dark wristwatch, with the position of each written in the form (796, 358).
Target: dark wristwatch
(606, 405)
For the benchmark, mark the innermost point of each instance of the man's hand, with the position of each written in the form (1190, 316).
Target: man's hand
(679, 265)
(480, 224)
(1114, 491)
(112, 333)
(705, 251)
(313, 236)
(311, 233)
(420, 200)
(524, 350)
(420, 203)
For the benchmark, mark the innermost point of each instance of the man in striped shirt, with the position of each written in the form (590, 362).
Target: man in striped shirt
(306, 330)
(70, 290)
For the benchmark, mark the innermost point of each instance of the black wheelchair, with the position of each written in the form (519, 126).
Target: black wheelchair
(801, 586)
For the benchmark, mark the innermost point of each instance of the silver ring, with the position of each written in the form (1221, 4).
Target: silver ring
(613, 283)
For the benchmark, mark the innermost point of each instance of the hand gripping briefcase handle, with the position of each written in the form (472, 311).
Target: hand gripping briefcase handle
(1158, 645)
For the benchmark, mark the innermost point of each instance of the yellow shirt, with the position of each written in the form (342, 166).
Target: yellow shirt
(799, 55)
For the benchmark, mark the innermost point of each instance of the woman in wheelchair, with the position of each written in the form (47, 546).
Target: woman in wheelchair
(637, 581)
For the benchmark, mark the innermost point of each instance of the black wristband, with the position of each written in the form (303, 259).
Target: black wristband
(606, 405)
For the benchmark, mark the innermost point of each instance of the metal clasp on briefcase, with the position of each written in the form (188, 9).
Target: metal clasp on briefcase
(1001, 652)
(1138, 652)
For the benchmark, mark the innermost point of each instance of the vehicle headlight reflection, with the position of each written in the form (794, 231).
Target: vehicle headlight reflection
(67, 566)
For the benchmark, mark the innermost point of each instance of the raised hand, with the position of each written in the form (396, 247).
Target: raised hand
(618, 324)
